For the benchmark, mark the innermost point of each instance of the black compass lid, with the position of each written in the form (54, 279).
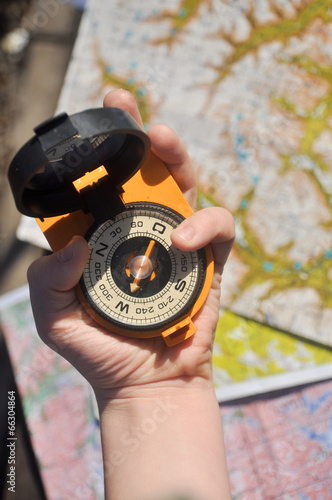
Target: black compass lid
(64, 148)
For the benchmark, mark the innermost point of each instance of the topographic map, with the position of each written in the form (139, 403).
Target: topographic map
(247, 86)
(252, 358)
(280, 449)
(277, 448)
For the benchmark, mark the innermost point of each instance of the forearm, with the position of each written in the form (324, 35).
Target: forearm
(165, 444)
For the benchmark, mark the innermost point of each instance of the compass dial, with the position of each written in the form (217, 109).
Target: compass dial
(135, 278)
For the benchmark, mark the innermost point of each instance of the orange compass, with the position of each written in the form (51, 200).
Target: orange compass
(93, 174)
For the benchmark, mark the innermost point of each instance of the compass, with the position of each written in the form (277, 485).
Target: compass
(135, 277)
(93, 174)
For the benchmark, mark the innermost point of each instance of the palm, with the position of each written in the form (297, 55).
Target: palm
(110, 362)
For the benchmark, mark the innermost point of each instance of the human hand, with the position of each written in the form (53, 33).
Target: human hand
(114, 364)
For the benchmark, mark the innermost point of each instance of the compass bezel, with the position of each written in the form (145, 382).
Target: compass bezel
(153, 210)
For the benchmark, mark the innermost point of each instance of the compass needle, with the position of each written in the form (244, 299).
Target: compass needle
(141, 267)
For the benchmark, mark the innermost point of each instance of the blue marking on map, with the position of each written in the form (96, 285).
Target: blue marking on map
(323, 438)
(141, 92)
(303, 496)
(238, 147)
(267, 266)
(313, 406)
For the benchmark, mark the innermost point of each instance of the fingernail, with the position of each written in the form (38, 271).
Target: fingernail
(186, 232)
(67, 253)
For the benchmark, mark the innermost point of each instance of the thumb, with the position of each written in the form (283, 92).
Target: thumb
(52, 280)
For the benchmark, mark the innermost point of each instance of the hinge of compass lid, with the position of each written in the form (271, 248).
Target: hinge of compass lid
(179, 332)
(102, 200)
(54, 130)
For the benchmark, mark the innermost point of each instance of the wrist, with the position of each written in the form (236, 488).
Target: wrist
(163, 436)
(174, 369)
(126, 398)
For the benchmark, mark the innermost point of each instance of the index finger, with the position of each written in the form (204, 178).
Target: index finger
(164, 143)
(124, 100)
(172, 151)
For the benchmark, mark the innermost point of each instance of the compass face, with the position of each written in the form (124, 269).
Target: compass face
(135, 278)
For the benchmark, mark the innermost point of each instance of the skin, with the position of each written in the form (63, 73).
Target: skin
(160, 422)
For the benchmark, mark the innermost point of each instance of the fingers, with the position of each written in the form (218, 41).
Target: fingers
(164, 143)
(213, 225)
(52, 280)
(171, 150)
(60, 271)
(124, 100)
